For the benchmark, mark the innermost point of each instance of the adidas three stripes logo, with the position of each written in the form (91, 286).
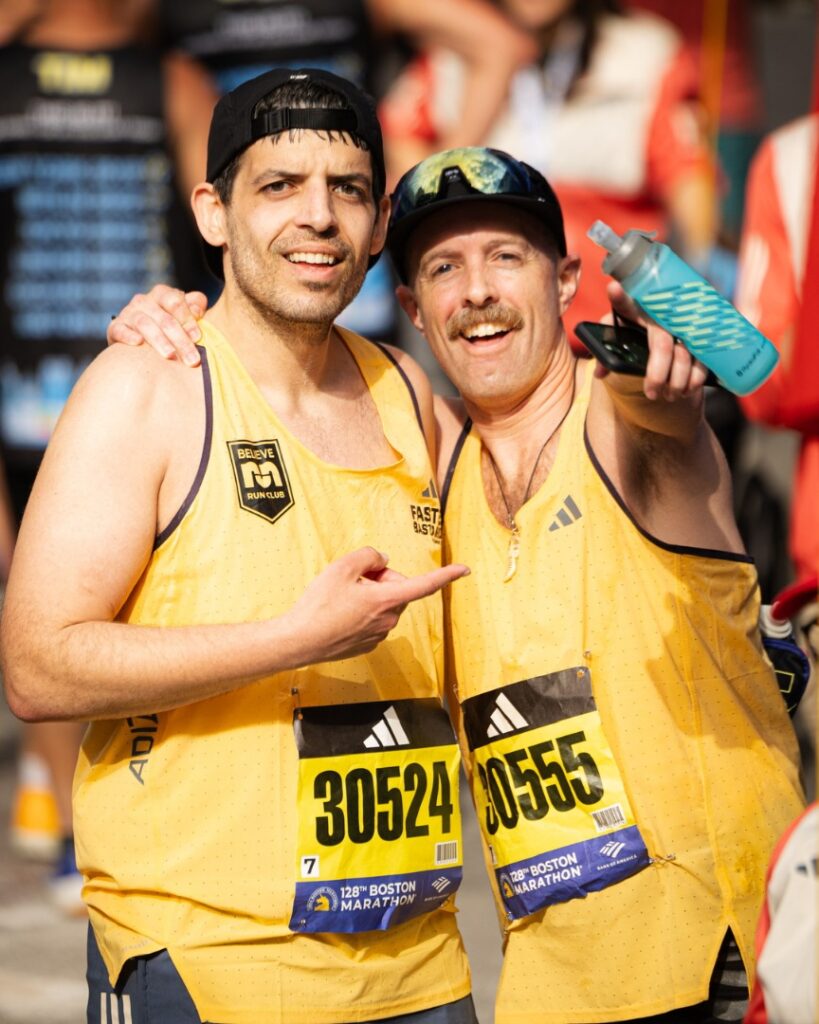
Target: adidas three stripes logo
(566, 515)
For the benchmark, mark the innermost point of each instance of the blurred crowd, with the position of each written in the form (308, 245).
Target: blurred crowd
(646, 114)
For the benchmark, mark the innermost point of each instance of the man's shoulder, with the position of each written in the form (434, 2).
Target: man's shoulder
(135, 381)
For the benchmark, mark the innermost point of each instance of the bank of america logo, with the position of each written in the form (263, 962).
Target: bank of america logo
(387, 732)
(568, 514)
(612, 849)
(505, 718)
(440, 884)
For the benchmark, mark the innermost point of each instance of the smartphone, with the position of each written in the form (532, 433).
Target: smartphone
(621, 348)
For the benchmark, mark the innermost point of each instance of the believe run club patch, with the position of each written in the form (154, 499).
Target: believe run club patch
(548, 793)
(379, 838)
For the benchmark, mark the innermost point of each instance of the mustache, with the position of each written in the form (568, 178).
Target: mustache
(341, 250)
(496, 313)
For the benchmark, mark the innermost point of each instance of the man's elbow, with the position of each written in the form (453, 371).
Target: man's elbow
(25, 699)
(28, 693)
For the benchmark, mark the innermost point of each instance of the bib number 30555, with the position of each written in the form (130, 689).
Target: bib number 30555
(550, 798)
(379, 820)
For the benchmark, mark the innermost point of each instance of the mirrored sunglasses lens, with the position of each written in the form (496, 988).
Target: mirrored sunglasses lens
(483, 171)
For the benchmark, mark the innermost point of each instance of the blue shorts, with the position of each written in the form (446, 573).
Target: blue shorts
(150, 991)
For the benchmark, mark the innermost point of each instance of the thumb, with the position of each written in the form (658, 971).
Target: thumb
(363, 562)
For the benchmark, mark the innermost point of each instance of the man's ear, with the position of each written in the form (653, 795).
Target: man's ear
(209, 213)
(382, 219)
(407, 302)
(568, 278)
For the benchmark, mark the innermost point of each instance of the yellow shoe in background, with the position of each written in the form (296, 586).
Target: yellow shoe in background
(35, 824)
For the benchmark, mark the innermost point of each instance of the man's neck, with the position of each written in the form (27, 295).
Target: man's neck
(520, 440)
(294, 358)
(521, 424)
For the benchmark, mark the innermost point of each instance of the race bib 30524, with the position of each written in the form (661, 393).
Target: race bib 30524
(549, 796)
(379, 821)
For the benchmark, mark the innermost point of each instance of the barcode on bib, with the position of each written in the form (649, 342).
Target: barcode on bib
(609, 817)
(446, 853)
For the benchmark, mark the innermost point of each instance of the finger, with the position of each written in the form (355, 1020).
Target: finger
(624, 304)
(120, 333)
(699, 375)
(161, 331)
(178, 320)
(197, 303)
(660, 359)
(422, 586)
(678, 378)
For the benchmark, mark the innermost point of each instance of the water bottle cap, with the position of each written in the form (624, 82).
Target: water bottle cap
(628, 256)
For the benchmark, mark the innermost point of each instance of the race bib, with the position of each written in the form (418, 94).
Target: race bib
(379, 837)
(548, 793)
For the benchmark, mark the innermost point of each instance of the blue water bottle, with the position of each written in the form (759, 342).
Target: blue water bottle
(687, 306)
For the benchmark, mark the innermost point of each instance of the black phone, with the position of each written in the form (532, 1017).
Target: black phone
(621, 348)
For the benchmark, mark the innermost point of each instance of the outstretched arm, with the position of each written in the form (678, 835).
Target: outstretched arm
(87, 536)
(652, 441)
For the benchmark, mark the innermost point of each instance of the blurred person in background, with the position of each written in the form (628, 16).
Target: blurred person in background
(608, 112)
(718, 35)
(786, 990)
(776, 241)
(779, 253)
(101, 141)
(239, 40)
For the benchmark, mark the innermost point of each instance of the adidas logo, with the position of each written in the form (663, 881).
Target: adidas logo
(431, 491)
(566, 515)
(505, 718)
(387, 732)
(440, 884)
(612, 849)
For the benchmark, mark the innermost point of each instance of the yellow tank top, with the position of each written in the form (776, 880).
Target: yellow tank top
(689, 710)
(187, 821)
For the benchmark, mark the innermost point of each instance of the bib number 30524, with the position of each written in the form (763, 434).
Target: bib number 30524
(379, 820)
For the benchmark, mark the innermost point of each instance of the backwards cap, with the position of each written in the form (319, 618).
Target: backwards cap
(234, 127)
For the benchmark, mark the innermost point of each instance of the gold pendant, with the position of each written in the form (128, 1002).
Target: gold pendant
(512, 554)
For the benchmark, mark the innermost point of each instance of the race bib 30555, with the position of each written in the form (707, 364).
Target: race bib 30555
(549, 796)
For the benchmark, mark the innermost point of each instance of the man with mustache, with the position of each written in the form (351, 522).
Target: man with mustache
(266, 799)
(630, 756)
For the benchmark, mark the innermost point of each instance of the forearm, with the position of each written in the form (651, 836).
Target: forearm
(485, 90)
(680, 419)
(93, 670)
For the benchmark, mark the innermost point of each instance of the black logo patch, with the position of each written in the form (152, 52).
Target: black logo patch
(261, 478)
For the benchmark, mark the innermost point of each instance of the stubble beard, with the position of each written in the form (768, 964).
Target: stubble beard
(309, 306)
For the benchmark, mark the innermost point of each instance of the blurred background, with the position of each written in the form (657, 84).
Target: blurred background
(693, 119)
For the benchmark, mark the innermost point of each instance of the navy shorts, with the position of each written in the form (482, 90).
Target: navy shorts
(150, 991)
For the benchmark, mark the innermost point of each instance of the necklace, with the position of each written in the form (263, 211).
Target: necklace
(514, 539)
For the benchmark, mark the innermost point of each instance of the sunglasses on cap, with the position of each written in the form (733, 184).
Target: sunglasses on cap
(466, 175)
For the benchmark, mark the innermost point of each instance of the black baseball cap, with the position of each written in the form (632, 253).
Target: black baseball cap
(234, 127)
(467, 175)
